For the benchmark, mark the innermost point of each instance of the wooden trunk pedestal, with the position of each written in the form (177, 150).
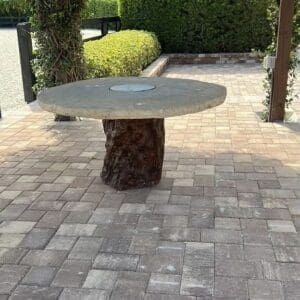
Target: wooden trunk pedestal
(134, 153)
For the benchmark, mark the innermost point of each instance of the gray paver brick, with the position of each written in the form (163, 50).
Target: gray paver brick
(231, 288)
(10, 275)
(52, 219)
(38, 238)
(160, 264)
(71, 273)
(47, 258)
(130, 286)
(198, 255)
(76, 229)
(40, 276)
(10, 240)
(116, 262)
(35, 293)
(197, 282)
(79, 294)
(164, 283)
(259, 252)
(144, 243)
(86, 248)
(221, 236)
(101, 279)
(170, 297)
(239, 268)
(16, 226)
(263, 289)
(229, 251)
(170, 248)
(180, 234)
(291, 290)
(11, 255)
(115, 245)
(61, 243)
(287, 254)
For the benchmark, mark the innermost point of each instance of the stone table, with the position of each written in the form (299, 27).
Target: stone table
(133, 110)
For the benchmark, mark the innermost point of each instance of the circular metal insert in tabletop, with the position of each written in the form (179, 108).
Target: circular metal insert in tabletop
(131, 98)
(132, 87)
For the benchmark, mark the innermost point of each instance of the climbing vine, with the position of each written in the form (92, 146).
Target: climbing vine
(56, 27)
(273, 13)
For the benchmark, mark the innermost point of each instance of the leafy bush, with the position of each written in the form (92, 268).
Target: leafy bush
(14, 8)
(124, 53)
(201, 25)
(100, 8)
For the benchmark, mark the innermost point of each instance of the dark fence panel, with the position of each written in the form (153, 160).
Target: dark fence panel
(11, 21)
(25, 51)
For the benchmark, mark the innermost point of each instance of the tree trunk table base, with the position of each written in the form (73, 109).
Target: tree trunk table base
(134, 153)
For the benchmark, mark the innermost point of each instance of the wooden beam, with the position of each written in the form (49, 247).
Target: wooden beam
(280, 76)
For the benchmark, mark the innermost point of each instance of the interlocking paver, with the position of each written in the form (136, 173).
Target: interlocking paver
(10, 275)
(130, 286)
(101, 279)
(239, 268)
(160, 264)
(86, 248)
(71, 273)
(76, 229)
(231, 288)
(61, 242)
(11, 255)
(197, 282)
(40, 276)
(10, 240)
(116, 262)
(79, 294)
(16, 226)
(222, 224)
(164, 283)
(38, 238)
(291, 290)
(263, 289)
(47, 258)
(35, 292)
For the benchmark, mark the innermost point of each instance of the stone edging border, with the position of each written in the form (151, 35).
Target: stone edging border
(160, 64)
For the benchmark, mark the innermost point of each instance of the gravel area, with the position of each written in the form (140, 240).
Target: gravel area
(11, 90)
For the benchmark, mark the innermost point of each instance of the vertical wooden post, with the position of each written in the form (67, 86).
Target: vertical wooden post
(25, 50)
(279, 89)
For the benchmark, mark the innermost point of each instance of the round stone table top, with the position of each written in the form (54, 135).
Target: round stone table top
(131, 98)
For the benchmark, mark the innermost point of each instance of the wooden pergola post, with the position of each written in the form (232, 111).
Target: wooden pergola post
(280, 76)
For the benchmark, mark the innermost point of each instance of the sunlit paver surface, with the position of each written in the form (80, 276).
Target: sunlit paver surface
(223, 224)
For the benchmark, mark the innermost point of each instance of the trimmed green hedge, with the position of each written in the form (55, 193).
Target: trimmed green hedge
(94, 8)
(124, 53)
(201, 25)
(14, 8)
(100, 8)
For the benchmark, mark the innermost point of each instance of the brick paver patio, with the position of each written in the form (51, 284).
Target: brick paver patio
(223, 224)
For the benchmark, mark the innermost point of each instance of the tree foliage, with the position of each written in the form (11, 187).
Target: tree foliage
(56, 27)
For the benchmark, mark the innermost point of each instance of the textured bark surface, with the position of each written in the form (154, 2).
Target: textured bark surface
(134, 153)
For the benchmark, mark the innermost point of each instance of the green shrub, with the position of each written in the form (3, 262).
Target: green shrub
(201, 25)
(100, 8)
(124, 53)
(14, 8)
